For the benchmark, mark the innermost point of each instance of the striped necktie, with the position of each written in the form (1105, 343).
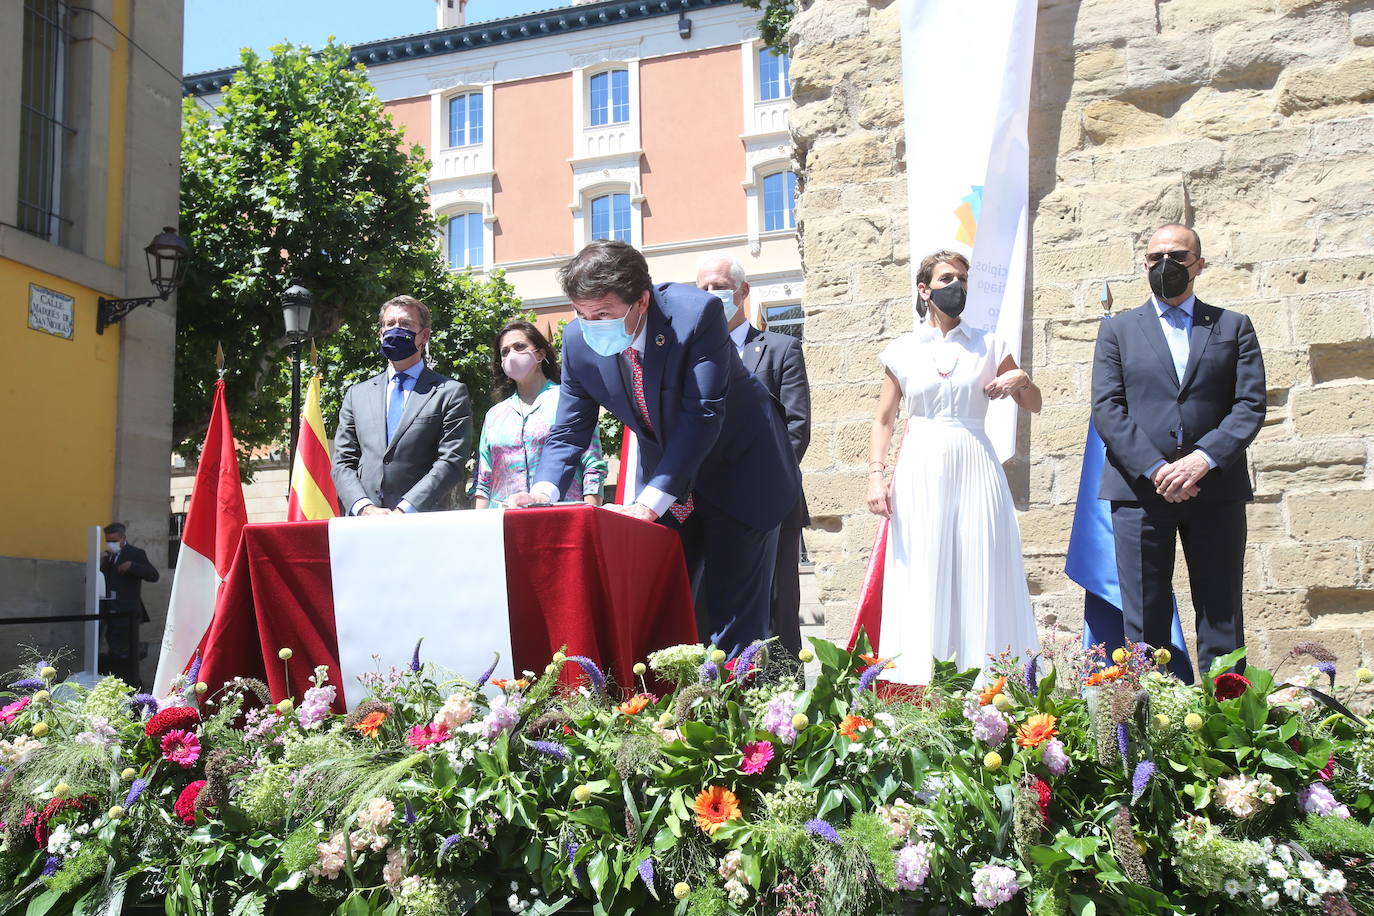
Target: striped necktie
(682, 508)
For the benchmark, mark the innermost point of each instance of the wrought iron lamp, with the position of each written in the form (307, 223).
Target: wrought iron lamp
(168, 256)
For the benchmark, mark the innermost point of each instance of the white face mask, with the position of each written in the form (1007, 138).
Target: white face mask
(727, 298)
(113, 546)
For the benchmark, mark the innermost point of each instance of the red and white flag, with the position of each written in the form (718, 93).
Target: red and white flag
(628, 488)
(214, 524)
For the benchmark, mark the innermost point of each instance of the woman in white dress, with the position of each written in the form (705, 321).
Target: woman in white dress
(954, 581)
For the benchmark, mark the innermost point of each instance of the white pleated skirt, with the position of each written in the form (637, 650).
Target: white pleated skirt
(954, 581)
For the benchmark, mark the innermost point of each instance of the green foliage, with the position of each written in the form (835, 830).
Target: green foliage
(1324, 835)
(776, 20)
(301, 174)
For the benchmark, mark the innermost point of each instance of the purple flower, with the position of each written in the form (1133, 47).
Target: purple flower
(415, 657)
(746, 659)
(51, 866)
(777, 717)
(819, 828)
(135, 791)
(143, 701)
(871, 674)
(1144, 770)
(40, 665)
(572, 849)
(1122, 742)
(646, 872)
(593, 673)
(708, 672)
(315, 706)
(1032, 677)
(1056, 761)
(486, 675)
(913, 865)
(29, 683)
(552, 748)
(449, 843)
(994, 885)
(1329, 669)
(194, 671)
(409, 817)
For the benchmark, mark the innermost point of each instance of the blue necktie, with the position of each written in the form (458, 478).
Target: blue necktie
(1178, 338)
(396, 404)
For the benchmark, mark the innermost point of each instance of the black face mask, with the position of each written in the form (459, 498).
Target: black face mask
(950, 299)
(1168, 278)
(399, 344)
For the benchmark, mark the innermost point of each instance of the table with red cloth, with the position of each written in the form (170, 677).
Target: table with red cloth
(607, 586)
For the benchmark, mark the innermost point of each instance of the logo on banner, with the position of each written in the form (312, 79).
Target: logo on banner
(969, 209)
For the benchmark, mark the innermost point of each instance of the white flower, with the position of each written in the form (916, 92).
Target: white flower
(1231, 887)
(1276, 870)
(1321, 885)
(1337, 879)
(1309, 870)
(1270, 900)
(58, 839)
(1292, 888)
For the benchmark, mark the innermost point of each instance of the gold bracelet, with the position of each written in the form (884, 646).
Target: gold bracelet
(877, 465)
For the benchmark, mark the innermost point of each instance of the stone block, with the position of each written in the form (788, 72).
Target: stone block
(1328, 564)
(1055, 300)
(826, 287)
(884, 281)
(1274, 609)
(1254, 53)
(1362, 27)
(1099, 71)
(1324, 187)
(1272, 646)
(1220, 115)
(1064, 264)
(1158, 65)
(1264, 520)
(851, 445)
(1254, 578)
(1149, 202)
(1343, 233)
(1253, 246)
(1284, 369)
(882, 106)
(1332, 515)
(1061, 383)
(1187, 157)
(1341, 607)
(1337, 410)
(835, 494)
(1317, 275)
(1366, 563)
(1056, 218)
(1342, 361)
(1331, 318)
(1059, 430)
(1045, 574)
(1270, 453)
(1211, 15)
(1345, 136)
(1309, 88)
(849, 158)
(844, 402)
(1270, 318)
(1112, 122)
(62, 585)
(857, 240)
(1044, 530)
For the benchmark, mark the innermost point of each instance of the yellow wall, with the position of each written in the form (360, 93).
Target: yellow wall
(57, 411)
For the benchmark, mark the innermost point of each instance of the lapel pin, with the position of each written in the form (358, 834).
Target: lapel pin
(658, 341)
(758, 348)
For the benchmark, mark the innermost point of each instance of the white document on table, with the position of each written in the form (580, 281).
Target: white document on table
(437, 575)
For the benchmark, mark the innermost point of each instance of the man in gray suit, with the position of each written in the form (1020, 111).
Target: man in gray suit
(404, 435)
(776, 361)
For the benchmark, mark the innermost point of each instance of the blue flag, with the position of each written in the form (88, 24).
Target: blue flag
(1091, 562)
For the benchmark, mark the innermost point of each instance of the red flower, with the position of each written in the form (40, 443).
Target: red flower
(1326, 772)
(185, 807)
(54, 807)
(1230, 685)
(1042, 788)
(173, 717)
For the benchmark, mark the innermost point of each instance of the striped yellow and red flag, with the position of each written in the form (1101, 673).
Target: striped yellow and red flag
(312, 487)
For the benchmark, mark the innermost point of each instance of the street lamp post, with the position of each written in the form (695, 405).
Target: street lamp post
(167, 257)
(295, 310)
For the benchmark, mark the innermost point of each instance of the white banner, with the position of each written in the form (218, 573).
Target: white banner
(440, 575)
(966, 73)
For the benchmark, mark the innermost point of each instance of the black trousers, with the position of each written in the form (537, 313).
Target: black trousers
(731, 568)
(1213, 536)
(786, 613)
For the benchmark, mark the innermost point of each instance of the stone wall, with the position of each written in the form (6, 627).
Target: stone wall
(1252, 120)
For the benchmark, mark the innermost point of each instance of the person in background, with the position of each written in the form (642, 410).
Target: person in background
(776, 361)
(524, 371)
(404, 435)
(125, 568)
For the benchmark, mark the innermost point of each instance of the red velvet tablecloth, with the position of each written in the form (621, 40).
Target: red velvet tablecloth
(608, 587)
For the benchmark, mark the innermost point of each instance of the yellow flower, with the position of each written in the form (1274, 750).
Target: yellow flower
(48, 673)
(1001, 702)
(806, 656)
(800, 721)
(116, 813)
(61, 790)
(1364, 675)
(682, 890)
(284, 654)
(41, 696)
(992, 691)
(718, 656)
(128, 773)
(39, 729)
(1193, 721)
(285, 707)
(639, 668)
(992, 760)
(582, 793)
(1120, 656)
(1163, 657)
(559, 658)
(1161, 721)
(201, 687)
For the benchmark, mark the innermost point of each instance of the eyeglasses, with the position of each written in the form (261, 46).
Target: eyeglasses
(1182, 256)
(518, 346)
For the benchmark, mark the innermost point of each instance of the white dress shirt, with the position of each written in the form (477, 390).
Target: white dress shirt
(738, 335)
(1176, 336)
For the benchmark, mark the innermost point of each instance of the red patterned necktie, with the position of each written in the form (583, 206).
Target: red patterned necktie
(680, 509)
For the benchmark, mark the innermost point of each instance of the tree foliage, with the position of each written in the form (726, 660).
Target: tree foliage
(301, 174)
(775, 21)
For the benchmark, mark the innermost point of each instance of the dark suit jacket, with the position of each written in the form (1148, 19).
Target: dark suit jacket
(1140, 404)
(776, 361)
(128, 586)
(424, 460)
(717, 433)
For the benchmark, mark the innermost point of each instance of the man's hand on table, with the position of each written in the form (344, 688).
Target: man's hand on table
(525, 500)
(643, 513)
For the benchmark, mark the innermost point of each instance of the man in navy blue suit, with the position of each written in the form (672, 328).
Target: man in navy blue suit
(1178, 395)
(713, 452)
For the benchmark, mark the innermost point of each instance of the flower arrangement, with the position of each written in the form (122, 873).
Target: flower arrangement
(1048, 785)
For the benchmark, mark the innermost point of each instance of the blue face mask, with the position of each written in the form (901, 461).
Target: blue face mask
(398, 344)
(727, 299)
(606, 337)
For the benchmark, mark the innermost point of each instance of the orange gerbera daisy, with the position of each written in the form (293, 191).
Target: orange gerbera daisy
(501, 683)
(869, 661)
(1036, 730)
(715, 806)
(991, 691)
(850, 725)
(635, 704)
(369, 723)
(1105, 675)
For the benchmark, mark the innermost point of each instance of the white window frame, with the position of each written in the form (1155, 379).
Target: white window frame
(582, 210)
(486, 227)
(764, 175)
(445, 115)
(759, 163)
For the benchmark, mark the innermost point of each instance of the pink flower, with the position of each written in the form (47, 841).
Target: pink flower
(12, 711)
(181, 747)
(756, 757)
(1327, 771)
(424, 735)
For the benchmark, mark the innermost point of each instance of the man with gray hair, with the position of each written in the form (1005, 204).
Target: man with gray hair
(776, 361)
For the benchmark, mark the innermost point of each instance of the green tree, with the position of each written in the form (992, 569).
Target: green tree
(301, 174)
(775, 21)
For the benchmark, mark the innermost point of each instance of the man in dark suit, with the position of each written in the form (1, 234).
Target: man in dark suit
(125, 568)
(1178, 395)
(776, 360)
(713, 453)
(404, 435)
